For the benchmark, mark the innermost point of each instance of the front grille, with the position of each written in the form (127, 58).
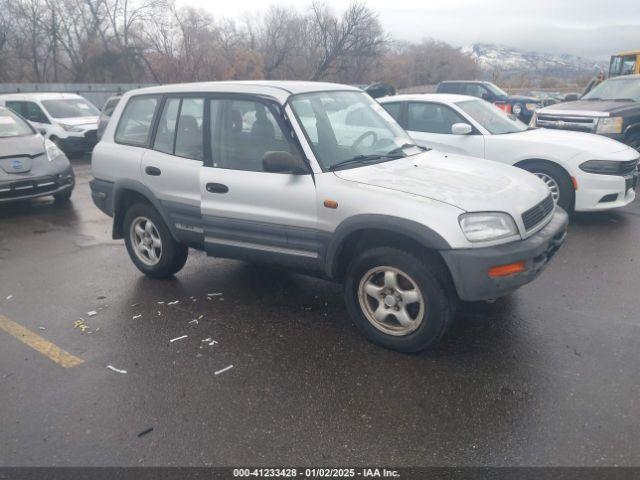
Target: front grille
(581, 124)
(532, 217)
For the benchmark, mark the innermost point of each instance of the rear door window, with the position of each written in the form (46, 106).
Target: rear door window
(134, 127)
(431, 118)
(395, 110)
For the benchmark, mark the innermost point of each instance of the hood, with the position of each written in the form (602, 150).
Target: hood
(596, 145)
(586, 107)
(18, 154)
(78, 121)
(523, 99)
(470, 184)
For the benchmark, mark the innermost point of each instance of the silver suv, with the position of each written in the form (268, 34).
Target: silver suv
(319, 178)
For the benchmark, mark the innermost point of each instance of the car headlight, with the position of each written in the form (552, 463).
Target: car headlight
(532, 107)
(485, 226)
(516, 109)
(609, 125)
(70, 128)
(603, 167)
(52, 150)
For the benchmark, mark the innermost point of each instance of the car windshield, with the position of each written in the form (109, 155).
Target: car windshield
(350, 129)
(11, 125)
(497, 91)
(70, 108)
(616, 89)
(494, 120)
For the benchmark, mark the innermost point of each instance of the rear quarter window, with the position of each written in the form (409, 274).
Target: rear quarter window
(136, 121)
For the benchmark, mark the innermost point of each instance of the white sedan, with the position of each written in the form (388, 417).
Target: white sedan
(584, 172)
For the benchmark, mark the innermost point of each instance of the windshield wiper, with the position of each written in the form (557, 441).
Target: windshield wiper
(360, 159)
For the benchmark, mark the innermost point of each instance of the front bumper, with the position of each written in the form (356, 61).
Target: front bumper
(27, 188)
(604, 192)
(470, 267)
(81, 143)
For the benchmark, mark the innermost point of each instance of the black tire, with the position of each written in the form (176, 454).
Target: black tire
(430, 277)
(63, 197)
(173, 255)
(562, 179)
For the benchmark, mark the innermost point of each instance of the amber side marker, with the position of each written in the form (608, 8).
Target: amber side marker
(331, 204)
(506, 270)
(575, 183)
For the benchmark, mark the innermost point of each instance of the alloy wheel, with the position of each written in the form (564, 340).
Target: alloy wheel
(551, 183)
(146, 241)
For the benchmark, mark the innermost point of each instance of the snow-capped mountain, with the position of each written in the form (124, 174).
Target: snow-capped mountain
(510, 61)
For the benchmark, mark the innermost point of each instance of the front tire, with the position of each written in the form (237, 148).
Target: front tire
(63, 197)
(150, 244)
(399, 301)
(558, 182)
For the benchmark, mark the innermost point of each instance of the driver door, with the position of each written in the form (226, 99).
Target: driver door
(246, 211)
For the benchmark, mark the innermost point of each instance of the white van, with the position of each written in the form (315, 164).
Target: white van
(68, 120)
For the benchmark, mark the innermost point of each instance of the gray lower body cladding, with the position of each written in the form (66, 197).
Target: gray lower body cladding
(470, 267)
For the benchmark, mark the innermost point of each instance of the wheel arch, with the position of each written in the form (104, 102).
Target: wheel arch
(368, 231)
(128, 192)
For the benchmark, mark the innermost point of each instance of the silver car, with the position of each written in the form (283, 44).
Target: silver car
(30, 165)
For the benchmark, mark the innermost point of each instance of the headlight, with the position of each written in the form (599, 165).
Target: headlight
(485, 226)
(70, 128)
(52, 150)
(609, 125)
(603, 167)
(531, 106)
(517, 109)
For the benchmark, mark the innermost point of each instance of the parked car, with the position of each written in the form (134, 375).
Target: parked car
(105, 114)
(545, 98)
(521, 106)
(611, 109)
(30, 165)
(317, 177)
(584, 172)
(69, 120)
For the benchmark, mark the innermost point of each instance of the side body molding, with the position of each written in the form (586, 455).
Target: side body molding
(397, 225)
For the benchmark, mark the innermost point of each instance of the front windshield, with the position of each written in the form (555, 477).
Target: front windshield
(345, 126)
(494, 120)
(70, 108)
(618, 89)
(11, 125)
(497, 91)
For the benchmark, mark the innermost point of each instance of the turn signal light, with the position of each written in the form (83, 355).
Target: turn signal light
(506, 270)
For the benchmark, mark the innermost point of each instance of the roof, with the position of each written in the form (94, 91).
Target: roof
(465, 81)
(624, 77)
(279, 89)
(629, 52)
(38, 96)
(427, 97)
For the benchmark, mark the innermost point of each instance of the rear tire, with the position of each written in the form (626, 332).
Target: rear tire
(399, 301)
(557, 180)
(63, 197)
(150, 244)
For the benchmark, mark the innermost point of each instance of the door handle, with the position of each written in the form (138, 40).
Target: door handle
(217, 188)
(153, 171)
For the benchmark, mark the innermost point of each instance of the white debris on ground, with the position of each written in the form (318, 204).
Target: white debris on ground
(92, 313)
(223, 370)
(214, 294)
(136, 316)
(194, 321)
(178, 338)
(160, 303)
(114, 369)
(9, 297)
(212, 342)
(206, 340)
(41, 328)
(174, 302)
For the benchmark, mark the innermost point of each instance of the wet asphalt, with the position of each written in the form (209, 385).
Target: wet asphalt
(547, 376)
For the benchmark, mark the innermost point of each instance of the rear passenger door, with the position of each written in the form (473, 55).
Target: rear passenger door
(429, 124)
(247, 212)
(171, 166)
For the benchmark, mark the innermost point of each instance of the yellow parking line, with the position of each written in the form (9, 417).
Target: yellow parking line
(39, 344)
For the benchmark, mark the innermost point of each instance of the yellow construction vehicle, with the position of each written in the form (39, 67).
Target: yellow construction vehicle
(625, 63)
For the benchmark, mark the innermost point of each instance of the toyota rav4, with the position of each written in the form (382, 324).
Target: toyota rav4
(319, 178)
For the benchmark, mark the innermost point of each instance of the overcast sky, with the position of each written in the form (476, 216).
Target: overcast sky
(592, 28)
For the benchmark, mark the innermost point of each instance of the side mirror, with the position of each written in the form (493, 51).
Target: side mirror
(283, 162)
(486, 96)
(461, 129)
(42, 131)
